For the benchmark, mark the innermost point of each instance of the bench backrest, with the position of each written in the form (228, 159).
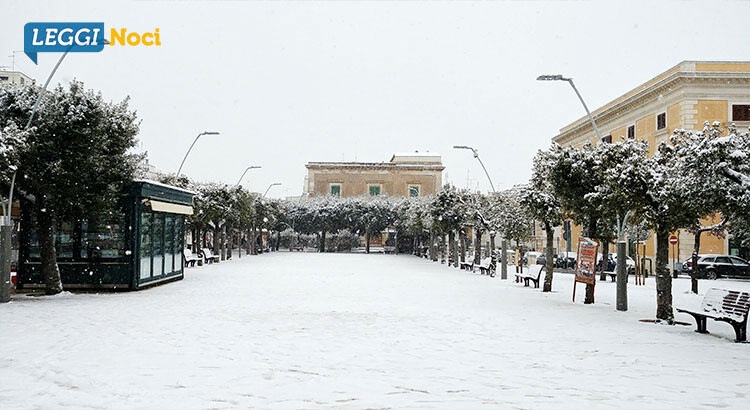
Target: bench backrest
(207, 253)
(188, 254)
(535, 271)
(727, 303)
(485, 262)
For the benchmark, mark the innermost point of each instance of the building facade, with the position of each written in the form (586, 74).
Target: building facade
(684, 97)
(14, 77)
(407, 175)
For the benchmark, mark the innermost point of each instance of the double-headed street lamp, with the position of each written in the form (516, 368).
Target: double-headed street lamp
(243, 174)
(559, 77)
(269, 187)
(476, 155)
(191, 148)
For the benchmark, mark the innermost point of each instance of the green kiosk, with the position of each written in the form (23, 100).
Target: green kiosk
(143, 248)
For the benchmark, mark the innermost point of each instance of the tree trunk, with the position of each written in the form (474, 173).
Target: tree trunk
(367, 242)
(217, 242)
(254, 236)
(322, 241)
(605, 258)
(663, 277)
(550, 261)
(433, 247)
(47, 252)
(504, 257)
(249, 241)
(224, 243)
(442, 244)
(451, 247)
(694, 258)
(589, 287)
(477, 246)
(462, 245)
(622, 277)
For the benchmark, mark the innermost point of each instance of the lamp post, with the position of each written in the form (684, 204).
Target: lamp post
(243, 174)
(476, 155)
(191, 147)
(558, 77)
(269, 187)
(503, 254)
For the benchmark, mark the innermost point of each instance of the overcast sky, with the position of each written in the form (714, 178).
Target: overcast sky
(290, 82)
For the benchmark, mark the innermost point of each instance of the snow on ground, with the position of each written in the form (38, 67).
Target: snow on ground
(304, 330)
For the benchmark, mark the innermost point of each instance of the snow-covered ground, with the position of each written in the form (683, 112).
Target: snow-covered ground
(291, 330)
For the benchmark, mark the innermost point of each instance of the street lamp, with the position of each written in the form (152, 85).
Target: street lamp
(269, 187)
(559, 77)
(191, 147)
(243, 174)
(476, 155)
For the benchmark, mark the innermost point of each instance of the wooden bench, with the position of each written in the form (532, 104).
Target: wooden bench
(533, 274)
(723, 305)
(467, 265)
(612, 275)
(208, 256)
(299, 248)
(389, 249)
(190, 259)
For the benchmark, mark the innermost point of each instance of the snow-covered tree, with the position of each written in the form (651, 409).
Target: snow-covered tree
(540, 202)
(72, 162)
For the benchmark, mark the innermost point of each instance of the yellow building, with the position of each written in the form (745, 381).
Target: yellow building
(684, 96)
(408, 174)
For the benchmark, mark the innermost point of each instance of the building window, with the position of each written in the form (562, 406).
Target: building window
(336, 189)
(661, 121)
(374, 190)
(607, 139)
(631, 131)
(413, 191)
(740, 112)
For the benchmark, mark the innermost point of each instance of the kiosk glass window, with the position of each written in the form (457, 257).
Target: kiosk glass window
(145, 256)
(169, 243)
(179, 235)
(158, 243)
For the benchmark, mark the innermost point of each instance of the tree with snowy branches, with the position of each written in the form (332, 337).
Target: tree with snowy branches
(72, 163)
(538, 198)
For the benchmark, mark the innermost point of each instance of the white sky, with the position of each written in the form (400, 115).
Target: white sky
(290, 82)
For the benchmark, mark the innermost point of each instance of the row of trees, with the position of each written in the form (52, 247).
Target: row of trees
(606, 187)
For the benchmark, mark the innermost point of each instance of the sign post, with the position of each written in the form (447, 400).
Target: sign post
(673, 240)
(585, 263)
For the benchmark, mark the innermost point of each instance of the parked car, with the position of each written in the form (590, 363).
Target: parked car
(717, 266)
(542, 260)
(530, 257)
(566, 260)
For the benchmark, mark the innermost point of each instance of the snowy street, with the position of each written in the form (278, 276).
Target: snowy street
(306, 330)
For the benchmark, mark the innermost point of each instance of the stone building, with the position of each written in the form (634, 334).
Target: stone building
(406, 174)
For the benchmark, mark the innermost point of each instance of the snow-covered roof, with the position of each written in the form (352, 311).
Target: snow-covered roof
(152, 182)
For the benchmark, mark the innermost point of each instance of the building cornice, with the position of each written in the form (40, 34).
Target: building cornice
(671, 83)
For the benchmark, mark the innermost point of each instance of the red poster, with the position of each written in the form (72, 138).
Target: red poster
(586, 262)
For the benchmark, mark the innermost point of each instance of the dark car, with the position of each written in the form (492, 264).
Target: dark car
(566, 261)
(717, 266)
(542, 260)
